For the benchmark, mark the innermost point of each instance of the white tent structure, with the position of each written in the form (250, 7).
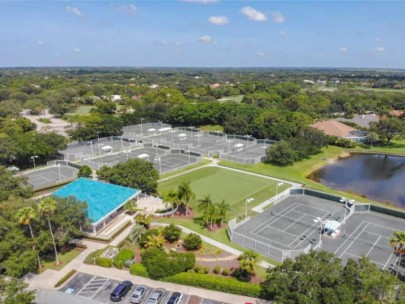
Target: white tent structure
(143, 156)
(238, 147)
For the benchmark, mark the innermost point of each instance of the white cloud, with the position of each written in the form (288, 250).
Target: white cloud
(39, 42)
(377, 39)
(343, 49)
(253, 14)
(277, 17)
(206, 39)
(200, 1)
(261, 54)
(130, 9)
(218, 20)
(77, 50)
(284, 33)
(378, 49)
(74, 11)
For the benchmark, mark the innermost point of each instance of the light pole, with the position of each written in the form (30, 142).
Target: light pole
(91, 145)
(160, 164)
(33, 159)
(141, 127)
(229, 144)
(122, 143)
(127, 152)
(98, 136)
(278, 185)
(247, 139)
(249, 200)
(319, 220)
(60, 175)
(347, 203)
(99, 148)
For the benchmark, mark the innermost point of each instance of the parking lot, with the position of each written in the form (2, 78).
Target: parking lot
(99, 288)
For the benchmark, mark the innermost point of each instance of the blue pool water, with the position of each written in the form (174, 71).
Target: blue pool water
(101, 198)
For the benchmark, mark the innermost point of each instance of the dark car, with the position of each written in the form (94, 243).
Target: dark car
(120, 291)
(175, 298)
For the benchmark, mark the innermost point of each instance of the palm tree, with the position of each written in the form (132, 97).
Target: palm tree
(212, 213)
(223, 209)
(136, 234)
(398, 243)
(185, 194)
(143, 219)
(205, 206)
(170, 197)
(248, 261)
(155, 241)
(24, 217)
(46, 207)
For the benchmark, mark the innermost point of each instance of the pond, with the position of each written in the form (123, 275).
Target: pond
(377, 177)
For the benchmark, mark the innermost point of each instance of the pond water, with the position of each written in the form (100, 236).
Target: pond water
(376, 177)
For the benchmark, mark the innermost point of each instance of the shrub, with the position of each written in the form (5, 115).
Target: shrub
(138, 270)
(84, 171)
(90, 258)
(119, 263)
(125, 255)
(217, 270)
(144, 238)
(104, 262)
(65, 277)
(197, 268)
(192, 242)
(201, 271)
(229, 285)
(159, 264)
(172, 233)
(225, 272)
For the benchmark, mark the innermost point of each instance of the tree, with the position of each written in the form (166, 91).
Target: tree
(388, 128)
(398, 243)
(11, 185)
(171, 197)
(135, 173)
(223, 208)
(171, 233)
(248, 261)
(25, 216)
(372, 137)
(14, 291)
(206, 206)
(185, 194)
(320, 277)
(130, 207)
(85, 171)
(281, 154)
(136, 233)
(47, 207)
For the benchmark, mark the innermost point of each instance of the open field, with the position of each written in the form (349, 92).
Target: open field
(234, 98)
(222, 184)
(64, 258)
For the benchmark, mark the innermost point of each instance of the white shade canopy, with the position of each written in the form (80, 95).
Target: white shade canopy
(106, 148)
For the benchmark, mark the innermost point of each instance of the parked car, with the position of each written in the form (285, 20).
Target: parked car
(175, 298)
(156, 296)
(138, 294)
(120, 291)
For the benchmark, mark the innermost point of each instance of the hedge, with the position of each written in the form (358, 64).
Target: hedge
(138, 270)
(65, 277)
(90, 258)
(104, 262)
(228, 285)
(123, 256)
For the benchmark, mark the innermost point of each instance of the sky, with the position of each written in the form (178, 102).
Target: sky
(203, 33)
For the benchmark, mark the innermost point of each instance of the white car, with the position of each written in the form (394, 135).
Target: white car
(156, 296)
(138, 294)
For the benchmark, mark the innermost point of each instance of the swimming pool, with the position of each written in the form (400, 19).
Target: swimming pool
(101, 198)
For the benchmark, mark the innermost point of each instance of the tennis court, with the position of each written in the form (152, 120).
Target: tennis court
(49, 176)
(292, 227)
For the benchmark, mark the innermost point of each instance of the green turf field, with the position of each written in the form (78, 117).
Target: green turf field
(233, 187)
(234, 98)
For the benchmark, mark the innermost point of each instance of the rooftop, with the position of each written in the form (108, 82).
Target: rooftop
(334, 128)
(102, 198)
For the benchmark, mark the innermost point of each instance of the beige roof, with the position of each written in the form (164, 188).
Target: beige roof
(333, 128)
(397, 113)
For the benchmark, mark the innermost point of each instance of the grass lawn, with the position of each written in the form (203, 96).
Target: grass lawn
(234, 98)
(212, 128)
(64, 258)
(221, 184)
(395, 147)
